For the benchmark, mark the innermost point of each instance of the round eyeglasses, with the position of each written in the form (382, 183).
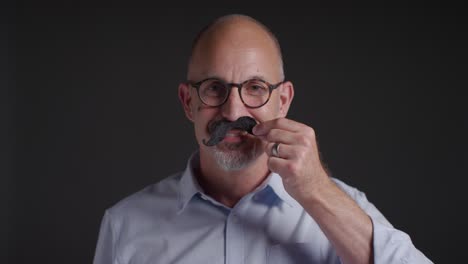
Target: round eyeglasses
(254, 93)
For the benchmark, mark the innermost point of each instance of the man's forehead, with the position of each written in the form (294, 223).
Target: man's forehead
(235, 28)
(234, 70)
(241, 61)
(232, 39)
(236, 48)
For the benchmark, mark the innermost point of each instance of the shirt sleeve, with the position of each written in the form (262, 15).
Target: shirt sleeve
(390, 245)
(105, 245)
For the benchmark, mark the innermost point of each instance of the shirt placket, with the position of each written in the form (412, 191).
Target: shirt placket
(235, 252)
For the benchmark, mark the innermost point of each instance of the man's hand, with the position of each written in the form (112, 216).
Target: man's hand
(298, 161)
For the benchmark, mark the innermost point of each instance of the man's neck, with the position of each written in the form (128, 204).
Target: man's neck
(228, 187)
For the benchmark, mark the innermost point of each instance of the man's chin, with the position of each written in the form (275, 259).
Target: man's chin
(235, 156)
(244, 145)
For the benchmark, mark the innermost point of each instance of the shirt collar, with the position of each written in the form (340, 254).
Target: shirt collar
(188, 184)
(275, 182)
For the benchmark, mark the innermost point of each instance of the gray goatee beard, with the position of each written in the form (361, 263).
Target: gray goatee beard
(234, 156)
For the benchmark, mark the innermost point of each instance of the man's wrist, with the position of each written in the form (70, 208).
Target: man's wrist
(318, 191)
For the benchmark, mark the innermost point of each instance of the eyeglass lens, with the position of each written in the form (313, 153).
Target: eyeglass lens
(253, 92)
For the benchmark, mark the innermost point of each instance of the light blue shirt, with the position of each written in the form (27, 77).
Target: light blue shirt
(173, 221)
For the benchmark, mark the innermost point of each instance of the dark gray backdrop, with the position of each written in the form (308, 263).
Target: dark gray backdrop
(92, 114)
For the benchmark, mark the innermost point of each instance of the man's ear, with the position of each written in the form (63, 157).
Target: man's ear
(286, 95)
(185, 98)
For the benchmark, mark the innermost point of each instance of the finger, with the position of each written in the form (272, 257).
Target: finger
(280, 135)
(279, 165)
(284, 151)
(280, 123)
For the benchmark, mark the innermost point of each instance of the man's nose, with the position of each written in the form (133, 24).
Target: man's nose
(233, 108)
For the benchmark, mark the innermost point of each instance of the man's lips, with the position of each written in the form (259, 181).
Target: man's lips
(236, 133)
(234, 136)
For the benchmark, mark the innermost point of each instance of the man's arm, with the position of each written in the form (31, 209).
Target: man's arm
(345, 224)
(355, 235)
(390, 245)
(104, 250)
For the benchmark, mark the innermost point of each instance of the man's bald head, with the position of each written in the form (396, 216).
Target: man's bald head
(235, 30)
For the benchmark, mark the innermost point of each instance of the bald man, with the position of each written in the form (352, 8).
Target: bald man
(259, 194)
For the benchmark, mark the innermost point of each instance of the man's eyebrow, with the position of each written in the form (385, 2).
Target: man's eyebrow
(256, 77)
(250, 77)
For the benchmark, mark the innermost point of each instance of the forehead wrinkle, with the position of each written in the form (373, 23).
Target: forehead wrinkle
(235, 65)
(233, 80)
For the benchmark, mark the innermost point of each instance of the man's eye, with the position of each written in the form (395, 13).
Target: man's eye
(256, 87)
(215, 88)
